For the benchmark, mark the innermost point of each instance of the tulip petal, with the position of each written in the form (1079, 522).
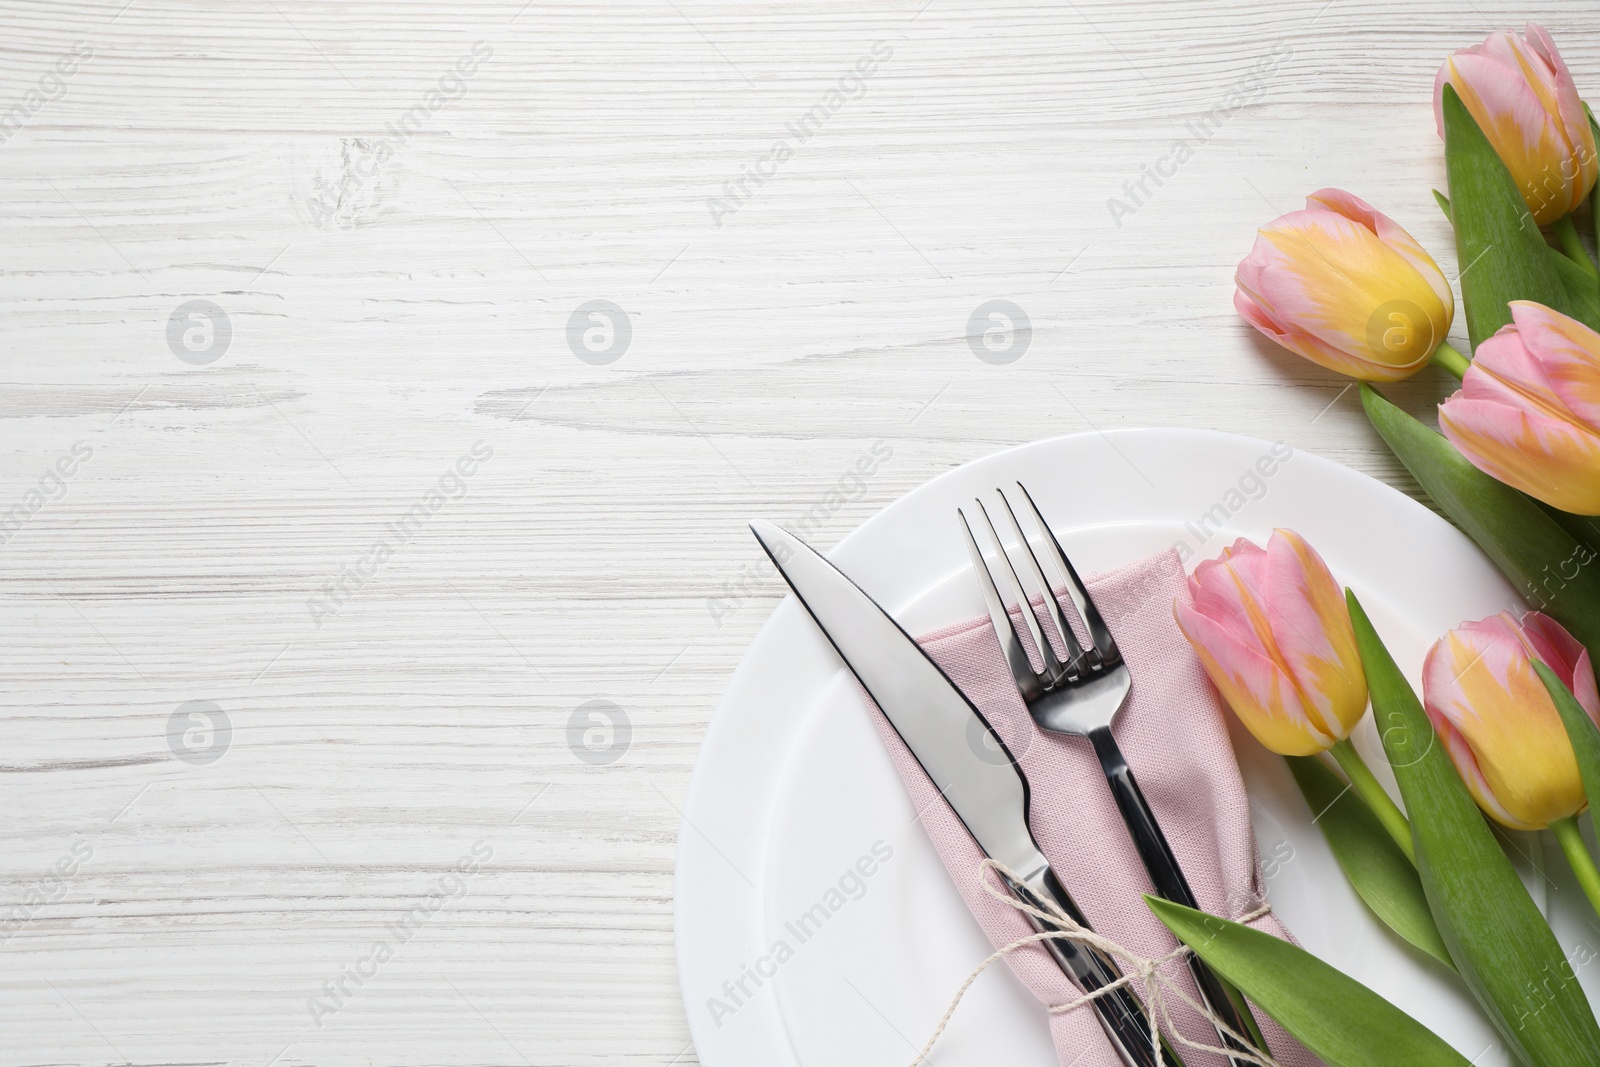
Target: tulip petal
(1567, 354)
(1472, 777)
(1229, 591)
(1529, 407)
(1528, 139)
(1309, 347)
(1512, 52)
(1583, 685)
(1249, 560)
(1259, 692)
(1446, 700)
(1336, 280)
(1522, 96)
(1507, 108)
(1574, 121)
(1395, 236)
(1562, 653)
(1505, 369)
(1547, 458)
(1311, 628)
(1479, 682)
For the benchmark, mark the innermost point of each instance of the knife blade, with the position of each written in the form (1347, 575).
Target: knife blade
(938, 724)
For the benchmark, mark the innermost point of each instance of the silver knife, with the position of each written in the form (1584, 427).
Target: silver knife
(937, 723)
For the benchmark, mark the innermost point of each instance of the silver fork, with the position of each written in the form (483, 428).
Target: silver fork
(1081, 695)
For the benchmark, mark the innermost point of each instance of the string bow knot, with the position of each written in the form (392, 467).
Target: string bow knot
(1156, 986)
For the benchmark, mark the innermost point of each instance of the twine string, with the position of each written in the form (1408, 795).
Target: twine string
(1156, 986)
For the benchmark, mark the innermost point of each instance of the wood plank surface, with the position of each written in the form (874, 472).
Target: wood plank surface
(397, 209)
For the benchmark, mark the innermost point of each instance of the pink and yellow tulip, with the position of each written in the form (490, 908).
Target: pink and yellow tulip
(1343, 285)
(1521, 95)
(1273, 632)
(1528, 411)
(1271, 629)
(1497, 721)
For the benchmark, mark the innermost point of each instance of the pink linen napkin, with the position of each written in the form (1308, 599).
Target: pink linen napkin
(1176, 740)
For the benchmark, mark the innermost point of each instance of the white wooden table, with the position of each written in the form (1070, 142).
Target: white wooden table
(397, 279)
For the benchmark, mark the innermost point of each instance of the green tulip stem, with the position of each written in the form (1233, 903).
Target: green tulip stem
(1594, 204)
(1448, 357)
(1594, 209)
(1572, 245)
(1370, 790)
(1571, 838)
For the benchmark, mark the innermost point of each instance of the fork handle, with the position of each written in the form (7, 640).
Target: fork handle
(1167, 878)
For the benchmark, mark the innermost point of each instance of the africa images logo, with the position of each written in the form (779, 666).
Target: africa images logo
(851, 85)
(850, 886)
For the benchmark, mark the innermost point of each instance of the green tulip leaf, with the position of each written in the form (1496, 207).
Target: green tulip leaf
(1583, 292)
(1377, 869)
(1594, 194)
(1444, 205)
(1332, 1014)
(1550, 568)
(1584, 528)
(1581, 730)
(1501, 253)
(1501, 944)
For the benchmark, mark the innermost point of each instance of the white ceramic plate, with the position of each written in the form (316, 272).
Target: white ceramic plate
(795, 810)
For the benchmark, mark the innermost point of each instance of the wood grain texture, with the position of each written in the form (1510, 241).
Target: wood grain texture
(387, 315)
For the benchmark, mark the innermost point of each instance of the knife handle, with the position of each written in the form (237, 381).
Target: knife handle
(1122, 1016)
(1169, 882)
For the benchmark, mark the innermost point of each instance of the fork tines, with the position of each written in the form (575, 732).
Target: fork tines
(1031, 585)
